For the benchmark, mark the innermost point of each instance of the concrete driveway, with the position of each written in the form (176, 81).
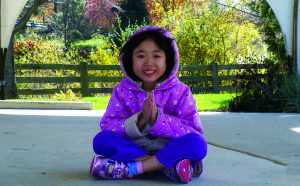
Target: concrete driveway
(54, 147)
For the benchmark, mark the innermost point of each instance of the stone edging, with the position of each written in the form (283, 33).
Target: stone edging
(63, 105)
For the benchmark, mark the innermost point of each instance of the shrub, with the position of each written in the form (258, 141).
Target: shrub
(23, 47)
(206, 34)
(46, 52)
(120, 35)
(259, 94)
(68, 96)
(75, 35)
(105, 54)
(290, 93)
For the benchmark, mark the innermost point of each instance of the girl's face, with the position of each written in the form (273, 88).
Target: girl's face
(149, 63)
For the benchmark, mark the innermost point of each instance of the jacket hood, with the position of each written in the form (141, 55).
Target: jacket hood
(171, 80)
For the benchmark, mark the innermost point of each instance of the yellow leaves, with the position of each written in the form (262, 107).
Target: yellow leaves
(105, 55)
(159, 9)
(205, 34)
(68, 96)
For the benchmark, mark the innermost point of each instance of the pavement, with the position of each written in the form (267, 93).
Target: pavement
(54, 147)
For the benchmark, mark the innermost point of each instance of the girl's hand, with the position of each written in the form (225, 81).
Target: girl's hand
(145, 116)
(153, 108)
(149, 112)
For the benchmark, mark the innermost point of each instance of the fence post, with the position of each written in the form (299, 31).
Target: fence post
(84, 79)
(214, 77)
(3, 52)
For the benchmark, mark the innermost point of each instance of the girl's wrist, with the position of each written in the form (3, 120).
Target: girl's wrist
(140, 123)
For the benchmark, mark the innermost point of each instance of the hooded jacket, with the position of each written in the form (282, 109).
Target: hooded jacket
(177, 110)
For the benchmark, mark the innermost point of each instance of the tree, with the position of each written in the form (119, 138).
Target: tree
(102, 12)
(133, 15)
(135, 12)
(158, 8)
(207, 33)
(11, 87)
(271, 29)
(69, 21)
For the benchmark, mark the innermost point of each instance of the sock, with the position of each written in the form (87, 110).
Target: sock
(135, 168)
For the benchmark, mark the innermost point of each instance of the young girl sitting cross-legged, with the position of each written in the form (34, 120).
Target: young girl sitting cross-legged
(151, 122)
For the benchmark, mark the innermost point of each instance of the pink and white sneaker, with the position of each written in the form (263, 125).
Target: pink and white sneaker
(181, 172)
(197, 171)
(106, 168)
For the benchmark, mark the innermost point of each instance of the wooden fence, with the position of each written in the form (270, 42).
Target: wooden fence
(212, 83)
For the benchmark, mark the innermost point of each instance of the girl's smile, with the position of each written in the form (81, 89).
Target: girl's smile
(149, 63)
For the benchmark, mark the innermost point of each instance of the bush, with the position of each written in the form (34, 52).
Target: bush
(75, 35)
(290, 93)
(120, 35)
(45, 52)
(23, 47)
(259, 94)
(68, 96)
(206, 34)
(278, 92)
(104, 54)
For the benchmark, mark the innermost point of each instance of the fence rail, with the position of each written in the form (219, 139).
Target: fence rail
(212, 78)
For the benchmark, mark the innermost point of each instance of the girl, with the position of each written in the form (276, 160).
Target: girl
(151, 122)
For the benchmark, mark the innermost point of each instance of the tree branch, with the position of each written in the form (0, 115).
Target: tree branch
(254, 15)
(27, 16)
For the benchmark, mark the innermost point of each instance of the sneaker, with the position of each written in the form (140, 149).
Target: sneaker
(98, 166)
(197, 171)
(181, 172)
(106, 168)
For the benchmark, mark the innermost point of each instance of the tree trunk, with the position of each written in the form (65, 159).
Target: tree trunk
(10, 78)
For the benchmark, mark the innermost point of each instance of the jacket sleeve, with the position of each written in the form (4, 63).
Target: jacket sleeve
(116, 114)
(184, 119)
(118, 119)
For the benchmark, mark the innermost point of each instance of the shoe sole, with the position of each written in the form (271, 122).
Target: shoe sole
(92, 166)
(198, 169)
(185, 171)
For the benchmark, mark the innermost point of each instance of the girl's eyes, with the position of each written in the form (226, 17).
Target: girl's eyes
(142, 56)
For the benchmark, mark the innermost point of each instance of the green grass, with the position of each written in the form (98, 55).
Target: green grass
(213, 102)
(89, 43)
(100, 103)
(205, 102)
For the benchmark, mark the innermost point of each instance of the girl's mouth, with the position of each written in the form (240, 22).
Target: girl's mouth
(149, 72)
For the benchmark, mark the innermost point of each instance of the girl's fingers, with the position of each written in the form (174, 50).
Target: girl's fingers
(147, 109)
(154, 112)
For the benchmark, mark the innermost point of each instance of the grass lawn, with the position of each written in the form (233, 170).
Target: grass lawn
(88, 43)
(205, 102)
(212, 102)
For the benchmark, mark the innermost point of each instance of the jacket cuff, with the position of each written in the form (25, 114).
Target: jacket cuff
(131, 127)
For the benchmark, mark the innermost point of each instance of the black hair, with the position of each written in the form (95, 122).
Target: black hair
(163, 42)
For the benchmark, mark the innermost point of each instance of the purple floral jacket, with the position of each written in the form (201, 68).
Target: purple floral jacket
(177, 116)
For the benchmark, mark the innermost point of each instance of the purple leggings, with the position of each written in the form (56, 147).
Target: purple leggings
(114, 146)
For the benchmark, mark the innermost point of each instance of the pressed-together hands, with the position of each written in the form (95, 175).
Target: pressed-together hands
(149, 112)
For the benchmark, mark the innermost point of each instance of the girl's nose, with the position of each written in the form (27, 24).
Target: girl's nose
(149, 61)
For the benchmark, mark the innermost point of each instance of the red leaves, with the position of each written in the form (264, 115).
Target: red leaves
(100, 11)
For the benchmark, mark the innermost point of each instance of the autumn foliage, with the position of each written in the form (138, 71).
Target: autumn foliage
(101, 12)
(158, 8)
